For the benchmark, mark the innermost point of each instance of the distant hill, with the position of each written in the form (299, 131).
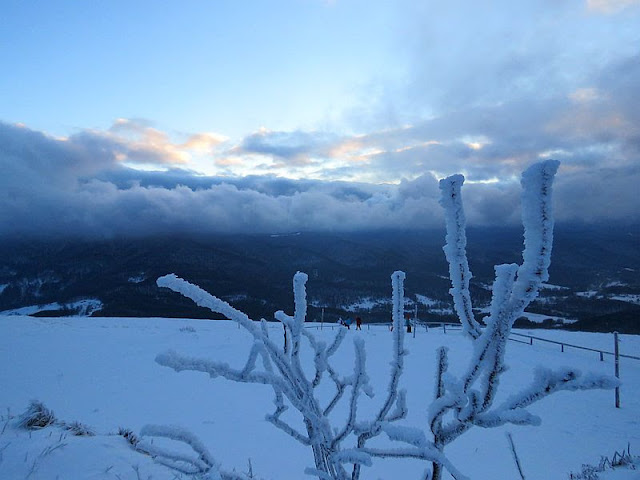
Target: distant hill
(595, 273)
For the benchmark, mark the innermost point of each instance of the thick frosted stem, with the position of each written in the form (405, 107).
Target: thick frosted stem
(203, 298)
(397, 285)
(299, 316)
(537, 219)
(456, 253)
(397, 364)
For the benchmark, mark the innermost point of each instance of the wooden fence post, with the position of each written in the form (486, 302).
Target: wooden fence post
(616, 351)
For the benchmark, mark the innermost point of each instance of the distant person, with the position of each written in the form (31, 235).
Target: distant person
(348, 323)
(358, 323)
(407, 322)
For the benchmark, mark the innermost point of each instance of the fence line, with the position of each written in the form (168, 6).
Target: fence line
(457, 326)
(448, 326)
(564, 344)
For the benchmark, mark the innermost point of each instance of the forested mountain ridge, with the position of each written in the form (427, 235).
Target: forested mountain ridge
(594, 274)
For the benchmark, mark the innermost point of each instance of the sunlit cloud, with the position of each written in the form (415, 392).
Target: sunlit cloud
(88, 191)
(229, 161)
(420, 145)
(346, 148)
(137, 142)
(203, 142)
(585, 95)
(476, 143)
(610, 6)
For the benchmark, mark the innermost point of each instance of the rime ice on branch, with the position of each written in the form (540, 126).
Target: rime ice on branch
(469, 401)
(268, 363)
(456, 253)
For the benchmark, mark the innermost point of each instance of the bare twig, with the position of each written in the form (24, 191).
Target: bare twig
(516, 459)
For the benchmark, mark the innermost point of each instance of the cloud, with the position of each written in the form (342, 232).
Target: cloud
(292, 148)
(77, 186)
(203, 142)
(274, 181)
(460, 57)
(137, 142)
(594, 126)
(610, 6)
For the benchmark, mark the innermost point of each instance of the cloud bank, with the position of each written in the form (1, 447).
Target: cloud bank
(454, 87)
(80, 186)
(85, 184)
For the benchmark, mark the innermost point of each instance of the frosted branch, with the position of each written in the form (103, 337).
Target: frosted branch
(314, 472)
(181, 363)
(459, 403)
(469, 401)
(288, 429)
(537, 218)
(360, 383)
(546, 382)
(436, 414)
(340, 389)
(372, 429)
(178, 461)
(397, 363)
(430, 454)
(282, 370)
(353, 456)
(204, 299)
(456, 253)
(400, 411)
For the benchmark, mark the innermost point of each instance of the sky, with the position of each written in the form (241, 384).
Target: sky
(144, 117)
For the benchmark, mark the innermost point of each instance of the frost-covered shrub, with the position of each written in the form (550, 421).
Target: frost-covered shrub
(39, 416)
(281, 369)
(589, 472)
(129, 436)
(621, 460)
(460, 403)
(79, 429)
(468, 401)
(36, 416)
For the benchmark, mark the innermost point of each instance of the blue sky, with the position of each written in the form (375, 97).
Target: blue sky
(356, 107)
(224, 67)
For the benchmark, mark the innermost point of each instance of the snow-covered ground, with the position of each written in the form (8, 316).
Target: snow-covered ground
(426, 301)
(548, 286)
(539, 318)
(630, 298)
(626, 297)
(101, 372)
(365, 304)
(82, 308)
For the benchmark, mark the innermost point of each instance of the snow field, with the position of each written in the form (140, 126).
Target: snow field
(102, 372)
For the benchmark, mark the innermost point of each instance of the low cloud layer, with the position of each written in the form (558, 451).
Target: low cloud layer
(82, 185)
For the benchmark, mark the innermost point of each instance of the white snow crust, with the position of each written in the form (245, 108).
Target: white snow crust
(103, 374)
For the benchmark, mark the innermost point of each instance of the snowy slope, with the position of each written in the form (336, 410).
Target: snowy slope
(101, 372)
